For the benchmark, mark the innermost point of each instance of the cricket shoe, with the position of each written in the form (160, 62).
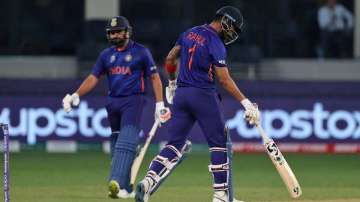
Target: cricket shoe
(115, 191)
(221, 196)
(142, 191)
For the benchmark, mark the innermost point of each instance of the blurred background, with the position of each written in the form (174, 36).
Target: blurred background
(300, 65)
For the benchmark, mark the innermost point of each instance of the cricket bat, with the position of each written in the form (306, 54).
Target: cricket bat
(139, 158)
(281, 165)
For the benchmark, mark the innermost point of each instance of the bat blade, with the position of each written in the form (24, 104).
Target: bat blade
(281, 165)
(139, 158)
(283, 169)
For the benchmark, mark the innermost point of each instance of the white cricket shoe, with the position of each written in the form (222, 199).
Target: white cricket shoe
(131, 195)
(221, 196)
(142, 191)
(115, 191)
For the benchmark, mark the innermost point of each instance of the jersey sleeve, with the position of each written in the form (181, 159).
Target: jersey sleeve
(99, 67)
(217, 53)
(150, 67)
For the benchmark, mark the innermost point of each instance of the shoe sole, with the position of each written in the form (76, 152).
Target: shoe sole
(140, 193)
(113, 189)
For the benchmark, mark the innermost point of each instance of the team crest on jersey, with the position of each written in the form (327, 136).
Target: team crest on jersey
(112, 58)
(128, 58)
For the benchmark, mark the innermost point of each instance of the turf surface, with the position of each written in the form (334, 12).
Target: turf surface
(82, 177)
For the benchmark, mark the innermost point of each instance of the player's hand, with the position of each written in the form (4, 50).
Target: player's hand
(170, 91)
(162, 113)
(252, 113)
(69, 101)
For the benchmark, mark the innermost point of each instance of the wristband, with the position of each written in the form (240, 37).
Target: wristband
(171, 68)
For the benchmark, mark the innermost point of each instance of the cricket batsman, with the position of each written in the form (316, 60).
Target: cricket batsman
(202, 58)
(127, 65)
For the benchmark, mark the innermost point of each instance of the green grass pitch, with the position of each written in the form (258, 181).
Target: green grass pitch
(82, 177)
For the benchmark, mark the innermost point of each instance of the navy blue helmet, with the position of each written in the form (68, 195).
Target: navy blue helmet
(232, 23)
(118, 23)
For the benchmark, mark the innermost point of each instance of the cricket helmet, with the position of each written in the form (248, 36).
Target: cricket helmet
(232, 23)
(118, 23)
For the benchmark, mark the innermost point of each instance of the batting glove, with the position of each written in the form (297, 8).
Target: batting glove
(69, 101)
(252, 113)
(170, 91)
(162, 113)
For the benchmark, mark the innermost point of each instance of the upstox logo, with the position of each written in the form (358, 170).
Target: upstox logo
(43, 122)
(301, 124)
(90, 123)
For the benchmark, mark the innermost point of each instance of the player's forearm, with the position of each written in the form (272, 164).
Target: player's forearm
(171, 62)
(87, 85)
(228, 83)
(157, 86)
(232, 88)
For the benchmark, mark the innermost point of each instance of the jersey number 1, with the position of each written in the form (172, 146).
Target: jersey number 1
(191, 52)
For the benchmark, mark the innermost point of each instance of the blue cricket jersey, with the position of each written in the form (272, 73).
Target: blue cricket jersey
(126, 69)
(202, 50)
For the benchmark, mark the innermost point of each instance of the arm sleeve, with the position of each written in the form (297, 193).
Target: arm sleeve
(150, 67)
(99, 67)
(217, 53)
(349, 17)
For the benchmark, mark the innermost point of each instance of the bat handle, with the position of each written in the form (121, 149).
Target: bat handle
(264, 136)
(154, 127)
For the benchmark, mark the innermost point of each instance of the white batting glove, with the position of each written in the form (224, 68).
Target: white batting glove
(252, 113)
(162, 113)
(170, 91)
(69, 101)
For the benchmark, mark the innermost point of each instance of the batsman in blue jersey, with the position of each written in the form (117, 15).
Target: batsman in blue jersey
(202, 58)
(127, 65)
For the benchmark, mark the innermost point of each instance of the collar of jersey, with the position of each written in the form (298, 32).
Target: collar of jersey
(124, 49)
(211, 29)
